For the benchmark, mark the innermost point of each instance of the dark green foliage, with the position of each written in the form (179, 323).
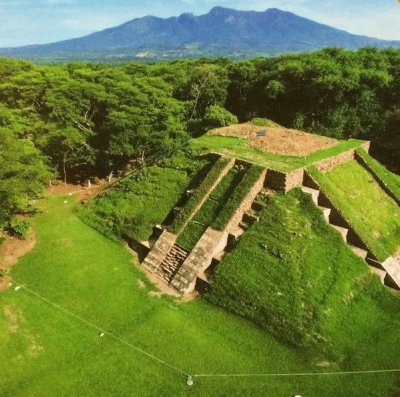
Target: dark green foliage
(264, 122)
(216, 116)
(292, 274)
(19, 228)
(95, 119)
(335, 92)
(199, 193)
(233, 202)
(141, 202)
(23, 174)
(391, 180)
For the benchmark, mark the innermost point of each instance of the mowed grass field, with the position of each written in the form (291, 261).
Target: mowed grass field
(374, 215)
(45, 351)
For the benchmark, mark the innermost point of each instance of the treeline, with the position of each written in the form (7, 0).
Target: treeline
(84, 119)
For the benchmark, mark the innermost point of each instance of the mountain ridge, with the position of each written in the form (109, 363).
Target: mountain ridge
(220, 32)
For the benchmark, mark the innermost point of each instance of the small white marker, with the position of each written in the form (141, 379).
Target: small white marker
(65, 202)
(189, 381)
(101, 335)
(17, 288)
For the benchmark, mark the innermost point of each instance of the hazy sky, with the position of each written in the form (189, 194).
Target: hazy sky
(41, 21)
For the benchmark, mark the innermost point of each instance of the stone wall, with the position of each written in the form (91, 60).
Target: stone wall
(210, 244)
(332, 162)
(283, 182)
(246, 203)
(366, 146)
(160, 249)
(294, 179)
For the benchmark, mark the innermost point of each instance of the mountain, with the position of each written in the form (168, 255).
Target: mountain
(221, 32)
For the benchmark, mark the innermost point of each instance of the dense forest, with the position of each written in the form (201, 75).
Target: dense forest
(88, 119)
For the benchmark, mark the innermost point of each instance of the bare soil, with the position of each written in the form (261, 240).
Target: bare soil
(58, 188)
(13, 249)
(279, 140)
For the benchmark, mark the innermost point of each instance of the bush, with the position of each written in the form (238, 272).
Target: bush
(19, 228)
(217, 116)
(264, 123)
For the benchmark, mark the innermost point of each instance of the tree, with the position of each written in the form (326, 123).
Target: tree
(217, 116)
(68, 148)
(23, 174)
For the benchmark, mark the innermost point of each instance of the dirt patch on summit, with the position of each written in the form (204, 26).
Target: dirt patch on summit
(278, 140)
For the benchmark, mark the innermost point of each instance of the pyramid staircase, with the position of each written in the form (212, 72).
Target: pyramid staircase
(388, 271)
(172, 262)
(181, 269)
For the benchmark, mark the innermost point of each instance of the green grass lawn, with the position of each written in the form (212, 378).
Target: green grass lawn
(294, 276)
(238, 148)
(374, 215)
(45, 352)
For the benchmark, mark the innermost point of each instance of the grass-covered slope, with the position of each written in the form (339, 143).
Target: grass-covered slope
(233, 202)
(392, 181)
(210, 210)
(184, 215)
(292, 275)
(45, 352)
(373, 214)
(137, 204)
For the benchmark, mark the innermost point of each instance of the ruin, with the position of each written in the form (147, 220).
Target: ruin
(186, 270)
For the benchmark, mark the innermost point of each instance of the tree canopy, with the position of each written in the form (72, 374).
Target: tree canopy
(91, 119)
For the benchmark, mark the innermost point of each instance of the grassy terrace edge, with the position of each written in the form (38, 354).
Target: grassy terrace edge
(391, 180)
(231, 146)
(381, 249)
(187, 211)
(234, 201)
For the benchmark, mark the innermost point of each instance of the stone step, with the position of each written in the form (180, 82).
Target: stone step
(342, 230)
(326, 212)
(314, 193)
(172, 262)
(359, 252)
(237, 232)
(380, 273)
(243, 225)
(249, 217)
(392, 268)
(257, 205)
